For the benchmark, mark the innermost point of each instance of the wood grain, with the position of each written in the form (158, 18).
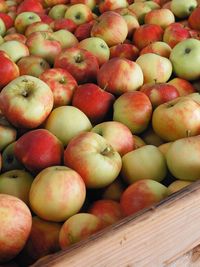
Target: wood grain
(161, 236)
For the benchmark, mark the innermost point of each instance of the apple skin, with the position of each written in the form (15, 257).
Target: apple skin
(120, 75)
(77, 228)
(82, 64)
(43, 240)
(133, 109)
(187, 54)
(127, 51)
(117, 134)
(164, 147)
(8, 21)
(178, 185)
(32, 65)
(15, 222)
(71, 119)
(194, 19)
(184, 8)
(110, 5)
(43, 44)
(8, 71)
(138, 141)
(2, 27)
(162, 17)
(160, 48)
(33, 105)
(66, 38)
(175, 33)
(9, 161)
(183, 158)
(113, 191)
(58, 11)
(94, 158)
(93, 101)
(109, 211)
(106, 29)
(142, 194)
(15, 49)
(50, 3)
(59, 188)
(45, 18)
(38, 149)
(66, 24)
(79, 13)
(37, 26)
(159, 71)
(97, 47)
(62, 84)
(16, 183)
(83, 31)
(140, 9)
(15, 36)
(31, 6)
(90, 3)
(159, 93)
(183, 86)
(146, 34)
(151, 138)
(23, 20)
(177, 118)
(8, 133)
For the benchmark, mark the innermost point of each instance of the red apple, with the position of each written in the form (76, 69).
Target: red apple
(38, 149)
(30, 5)
(45, 18)
(90, 3)
(184, 87)
(8, 21)
(83, 31)
(159, 93)
(15, 36)
(127, 51)
(93, 101)
(62, 84)
(15, 226)
(109, 5)
(194, 19)
(37, 27)
(108, 211)
(66, 24)
(82, 64)
(120, 75)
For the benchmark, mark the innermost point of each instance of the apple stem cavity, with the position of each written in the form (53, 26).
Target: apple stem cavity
(78, 58)
(107, 151)
(187, 50)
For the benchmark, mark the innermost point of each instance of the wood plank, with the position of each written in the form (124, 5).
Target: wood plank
(152, 238)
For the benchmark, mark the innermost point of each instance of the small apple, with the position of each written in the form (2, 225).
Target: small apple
(140, 9)
(65, 24)
(15, 36)
(114, 190)
(83, 31)
(31, 6)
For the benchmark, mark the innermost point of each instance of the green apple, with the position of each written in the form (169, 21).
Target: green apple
(16, 183)
(66, 38)
(183, 8)
(146, 162)
(24, 19)
(2, 28)
(58, 11)
(15, 49)
(79, 13)
(185, 58)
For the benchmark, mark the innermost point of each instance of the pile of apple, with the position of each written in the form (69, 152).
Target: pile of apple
(99, 115)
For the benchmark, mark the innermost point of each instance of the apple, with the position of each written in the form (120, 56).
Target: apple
(32, 65)
(127, 51)
(8, 133)
(135, 165)
(175, 33)
(62, 84)
(110, 5)
(9, 161)
(15, 49)
(138, 141)
(185, 58)
(8, 20)
(151, 138)
(90, 3)
(8, 71)
(194, 19)
(66, 38)
(155, 4)
(142, 194)
(117, 134)
(183, 158)
(177, 118)
(93, 158)
(146, 34)
(159, 93)
(58, 11)
(105, 28)
(83, 31)
(113, 191)
(3, 6)
(37, 27)
(162, 17)
(24, 19)
(70, 119)
(159, 71)
(184, 87)
(16, 183)
(82, 64)
(66, 24)
(50, 3)
(59, 189)
(45, 18)
(15, 36)
(182, 9)
(31, 6)
(26, 101)
(108, 211)
(178, 185)
(43, 44)
(43, 240)
(140, 9)
(120, 75)
(97, 47)
(77, 228)
(160, 48)
(93, 101)
(164, 147)
(15, 222)
(133, 109)
(79, 13)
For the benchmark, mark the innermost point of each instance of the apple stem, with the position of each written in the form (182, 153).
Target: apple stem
(104, 88)
(107, 151)
(188, 133)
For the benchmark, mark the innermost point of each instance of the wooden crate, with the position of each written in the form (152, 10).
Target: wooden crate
(167, 234)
